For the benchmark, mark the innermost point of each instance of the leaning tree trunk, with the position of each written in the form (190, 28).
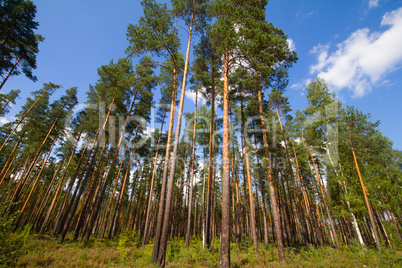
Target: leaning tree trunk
(344, 186)
(261, 183)
(373, 225)
(41, 201)
(20, 121)
(190, 199)
(109, 207)
(9, 162)
(292, 178)
(108, 176)
(211, 166)
(32, 166)
(275, 211)
(155, 252)
(249, 184)
(9, 73)
(323, 193)
(118, 205)
(71, 213)
(166, 216)
(84, 181)
(56, 227)
(152, 183)
(115, 158)
(37, 179)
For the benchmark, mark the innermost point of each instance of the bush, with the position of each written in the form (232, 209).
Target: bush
(389, 258)
(11, 244)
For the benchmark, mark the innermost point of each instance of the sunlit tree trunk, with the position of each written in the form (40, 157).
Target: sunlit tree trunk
(166, 216)
(249, 184)
(370, 212)
(161, 208)
(9, 73)
(225, 229)
(21, 120)
(84, 181)
(56, 225)
(274, 204)
(261, 184)
(152, 183)
(191, 179)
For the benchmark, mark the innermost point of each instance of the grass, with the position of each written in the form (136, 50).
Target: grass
(43, 251)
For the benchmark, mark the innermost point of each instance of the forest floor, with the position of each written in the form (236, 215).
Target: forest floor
(44, 251)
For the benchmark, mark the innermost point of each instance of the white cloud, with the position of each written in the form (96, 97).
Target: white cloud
(322, 52)
(373, 3)
(364, 58)
(291, 44)
(191, 95)
(149, 130)
(305, 15)
(3, 120)
(301, 85)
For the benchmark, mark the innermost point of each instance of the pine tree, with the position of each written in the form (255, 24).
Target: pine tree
(190, 11)
(159, 37)
(19, 43)
(6, 100)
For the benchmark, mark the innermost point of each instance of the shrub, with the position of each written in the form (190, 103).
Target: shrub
(11, 244)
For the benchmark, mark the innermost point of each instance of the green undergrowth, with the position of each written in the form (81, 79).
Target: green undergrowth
(124, 251)
(11, 243)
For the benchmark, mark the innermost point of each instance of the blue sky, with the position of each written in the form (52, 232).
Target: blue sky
(355, 45)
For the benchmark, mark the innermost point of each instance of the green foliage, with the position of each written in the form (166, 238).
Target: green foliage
(389, 258)
(6, 100)
(11, 244)
(125, 252)
(124, 241)
(154, 31)
(19, 41)
(259, 58)
(174, 250)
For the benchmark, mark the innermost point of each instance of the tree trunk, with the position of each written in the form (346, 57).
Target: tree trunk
(83, 183)
(118, 205)
(354, 220)
(274, 204)
(92, 191)
(373, 225)
(9, 73)
(211, 165)
(159, 219)
(166, 216)
(152, 183)
(224, 261)
(190, 199)
(32, 166)
(56, 225)
(264, 215)
(40, 172)
(20, 121)
(9, 162)
(324, 198)
(292, 177)
(77, 199)
(249, 184)
(108, 176)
